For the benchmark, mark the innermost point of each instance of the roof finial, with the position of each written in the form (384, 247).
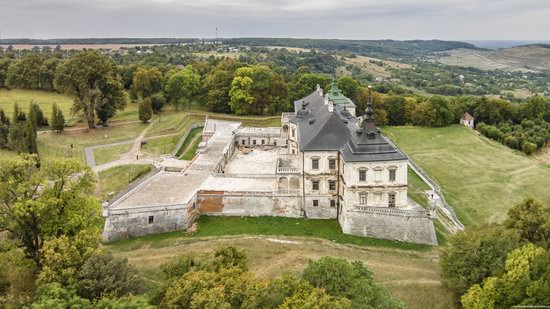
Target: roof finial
(369, 126)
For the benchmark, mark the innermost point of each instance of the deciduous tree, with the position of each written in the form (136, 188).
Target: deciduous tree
(45, 199)
(147, 81)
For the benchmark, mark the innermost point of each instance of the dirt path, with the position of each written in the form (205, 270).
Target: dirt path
(82, 128)
(131, 157)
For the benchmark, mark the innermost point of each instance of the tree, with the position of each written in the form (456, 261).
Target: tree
(103, 275)
(145, 111)
(349, 87)
(58, 120)
(395, 107)
(256, 90)
(37, 118)
(531, 220)
(183, 85)
(64, 256)
(349, 280)
(22, 137)
(528, 147)
(4, 66)
(47, 73)
(525, 282)
(147, 81)
(475, 254)
(217, 84)
(45, 199)
(4, 129)
(157, 102)
(305, 84)
(90, 78)
(24, 73)
(53, 295)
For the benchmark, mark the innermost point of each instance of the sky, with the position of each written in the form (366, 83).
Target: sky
(343, 19)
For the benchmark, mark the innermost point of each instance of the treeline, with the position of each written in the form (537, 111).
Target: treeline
(407, 50)
(502, 265)
(51, 257)
(524, 127)
(19, 133)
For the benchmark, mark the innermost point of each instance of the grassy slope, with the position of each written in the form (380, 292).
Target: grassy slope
(161, 145)
(117, 178)
(411, 275)
(480, 178)
(192, 134)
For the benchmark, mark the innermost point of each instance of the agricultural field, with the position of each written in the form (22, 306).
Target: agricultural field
(481, 179)
(376, 67)
(411, 273)
(524, 58)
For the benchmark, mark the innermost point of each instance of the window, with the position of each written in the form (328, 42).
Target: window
(275, 143)
(391, 199)
(293, 132)
(363, 175)
(315, 203)
(243, 142)
(314, 164)
(331, 164)
(363, 198)
(254, 142)
(263, 142)
(332, 185)
(315, 185)
(392, 175)
(151, 219)
(332, 203)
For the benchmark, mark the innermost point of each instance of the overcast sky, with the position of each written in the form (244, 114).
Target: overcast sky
(353, 19)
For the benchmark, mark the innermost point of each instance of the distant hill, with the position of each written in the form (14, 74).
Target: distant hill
(400, 50)
(522, 58)
(404, 50)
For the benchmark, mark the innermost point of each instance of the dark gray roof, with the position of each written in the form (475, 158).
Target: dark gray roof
(321, 130)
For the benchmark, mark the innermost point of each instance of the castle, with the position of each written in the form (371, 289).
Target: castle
(323, 162)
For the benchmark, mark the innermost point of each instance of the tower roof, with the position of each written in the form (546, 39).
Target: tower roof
(337, 98)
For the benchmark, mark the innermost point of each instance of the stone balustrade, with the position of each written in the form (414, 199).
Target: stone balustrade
(392, 211)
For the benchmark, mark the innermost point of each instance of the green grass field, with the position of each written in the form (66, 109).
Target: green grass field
(115, 179)
(107, 154)
(59, 144)
(44, 99)
(161, 145)
(481, 179)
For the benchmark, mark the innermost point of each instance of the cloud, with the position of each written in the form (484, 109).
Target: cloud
(364, 19)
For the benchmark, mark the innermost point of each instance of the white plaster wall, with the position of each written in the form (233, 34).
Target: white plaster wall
(351, 173)
(323, 157)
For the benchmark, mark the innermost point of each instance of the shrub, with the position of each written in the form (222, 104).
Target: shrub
(528, 147)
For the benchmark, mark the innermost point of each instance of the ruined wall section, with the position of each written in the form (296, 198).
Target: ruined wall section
(248, 203)
(122, 223)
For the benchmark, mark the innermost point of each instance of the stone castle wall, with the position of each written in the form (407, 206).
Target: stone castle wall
(138, 221)
(408, 226)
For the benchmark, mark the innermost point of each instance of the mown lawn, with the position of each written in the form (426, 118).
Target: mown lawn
(222, 226)
(58, 145)
(481, 179)
(44, 99)
(108, 154)
(115, 179)
(160, 145)
(192, 150)
(416, 188)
